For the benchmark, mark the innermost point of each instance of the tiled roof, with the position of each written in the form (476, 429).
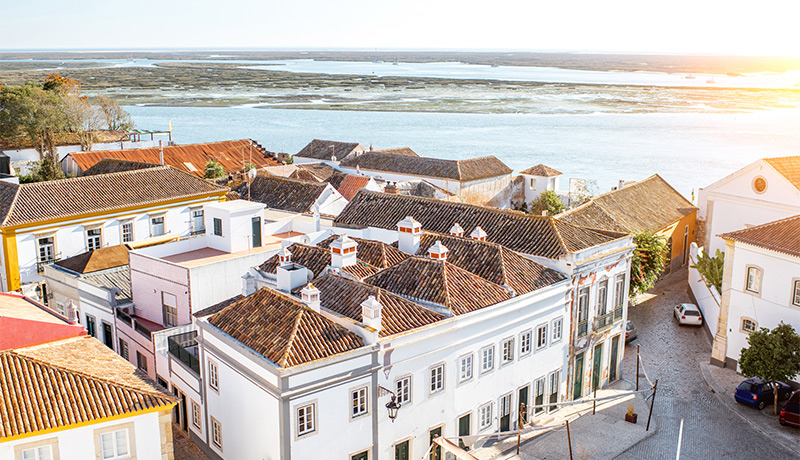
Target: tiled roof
(780, 236)
(541, 170)
(317, 260)
(351, 184)
(191, 158)
(461, 170)
(112, 165)
(282, 193)
(525, 233)
(323, 150)
(405, 151)
(315, 172)
(439, 282)
(345, 296)
(650, 204)
(492, 262)
(218, 307)
(119, 278)
(788, 167)
(99, 259)
(40, 201)
(283, 329)
(70, 382)
(375, 253)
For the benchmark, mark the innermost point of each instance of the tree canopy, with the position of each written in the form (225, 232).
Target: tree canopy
(772, 355)
(213, 170)
(547, 201)
(647, 262)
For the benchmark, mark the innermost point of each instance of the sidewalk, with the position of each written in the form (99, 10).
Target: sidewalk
(722, 382)
(605, 434)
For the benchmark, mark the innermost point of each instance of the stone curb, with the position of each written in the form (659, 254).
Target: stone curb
(727, 404)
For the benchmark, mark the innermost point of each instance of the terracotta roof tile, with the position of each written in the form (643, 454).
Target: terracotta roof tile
(283, 330)
(650, 204)
(114, 278)
(323, 150)
(67, 383)
(788, 167)
(525, 233)
(316, 259)
(191, 158)
(375, 253)
(99, 259)
(283, 193)
(350, 184)
(461, 170)
(112, 165)
(780, 236)
(218, 307)
(315, 172)
(405, 151)
(42, 201)
(542, 171)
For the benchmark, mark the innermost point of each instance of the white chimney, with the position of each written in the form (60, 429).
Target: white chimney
(161, 152)
(284, 255)
(478, 234)
(315, 211)
(291, 276)
(310, 296)
(72, 313)
(438, 251)
(343, 252)
(371, 313)
(456, 230)
(248, 284)
(408, 235)
(621, 184)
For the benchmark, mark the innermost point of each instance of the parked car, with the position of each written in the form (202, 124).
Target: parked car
(790, 414)
(757, 393)
(688, 313)
(630, 331)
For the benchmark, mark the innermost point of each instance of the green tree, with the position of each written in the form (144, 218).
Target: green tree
(647, 262)
(772, 355)
(547, 201)
(114, 116)
(31, 113)
(711, 268)
(213, 170)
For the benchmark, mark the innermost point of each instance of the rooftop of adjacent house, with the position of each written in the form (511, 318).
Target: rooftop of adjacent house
(324, 150)
(439, 282)
(348, 184)
(118, 279)
(650, 204)
(460, 170)
(788, 167)
(345, 296)
(314, 172)
(405, 151)
(43, 201)
(283, 193)
(191, 158)
(283, 330)
(208, 311)
(68, 383)
(375, 253)
(20, 307)
(542, 171)
(112, 165)
(317, 260)
(525, 233)
(282, 170)
(208, 255)
(780, 236)
(96, 260)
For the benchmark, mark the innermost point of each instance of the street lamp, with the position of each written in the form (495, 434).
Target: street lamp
(392, 406)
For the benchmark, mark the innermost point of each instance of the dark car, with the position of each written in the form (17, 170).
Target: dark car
(757, 393)
(790, 414)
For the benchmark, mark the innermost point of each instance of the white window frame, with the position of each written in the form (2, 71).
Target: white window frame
(403, 387)
(87, 238)
(507, 347)
(553, 380)
(122, 225)
(602, 297)
(557, 328)
(465, 372)
(745, 330)
(197, 418)
(525, 342)
(213, 375)
(39, 247)
(619, 291)
(37, 452)
(487, 351)
(539, 389)
(752, 284)
(359, 402)
(485, 418)
(115, 445)
(541, 333)
(216, 433)
(436, 378)
(306, 419)
(152, 217)
(192, 228)
(796, 292)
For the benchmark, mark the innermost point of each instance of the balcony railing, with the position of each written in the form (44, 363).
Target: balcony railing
(197, 231)
(141, 329)
(124, 317)
(582, 328)
(184, 348)
(133, 323)
(618, 313)
(43, 263)
(603, 321)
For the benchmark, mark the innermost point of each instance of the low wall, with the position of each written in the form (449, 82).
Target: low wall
(706, 298)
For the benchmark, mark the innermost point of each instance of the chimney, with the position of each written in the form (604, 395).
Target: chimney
(544, 212)
(371, 313)
(621, 184)
(291, 276)
(391, 188)
(408, 235)
(343, 252)
(72, 313)
(456, 230)
(370, 147)
(284, 255)
(438, 251)
(315, 211)
(161, 152)
(310, 297)
(478, 234)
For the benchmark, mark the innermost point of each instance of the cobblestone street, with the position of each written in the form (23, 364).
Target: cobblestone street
(671, 354)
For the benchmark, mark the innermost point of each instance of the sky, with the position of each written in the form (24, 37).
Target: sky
(766, 27)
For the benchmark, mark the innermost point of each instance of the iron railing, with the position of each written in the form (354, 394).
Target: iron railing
(198, 231)
(43, 263)
(124, 317)
(603, 321)
(618, 313)
(582, 328)
(184, 348)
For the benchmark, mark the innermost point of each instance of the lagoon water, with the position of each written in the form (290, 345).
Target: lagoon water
(690, 150)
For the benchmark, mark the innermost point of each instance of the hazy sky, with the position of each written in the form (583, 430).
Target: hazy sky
(766, 27)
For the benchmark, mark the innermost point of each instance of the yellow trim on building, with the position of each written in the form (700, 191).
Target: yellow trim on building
(11, 260)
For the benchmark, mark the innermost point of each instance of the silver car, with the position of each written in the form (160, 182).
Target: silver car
(630, 331)
(688, 313)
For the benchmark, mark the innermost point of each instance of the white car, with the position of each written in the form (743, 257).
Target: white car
(687, 313)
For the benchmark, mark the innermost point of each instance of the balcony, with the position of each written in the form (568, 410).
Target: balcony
(582, 328)
(43, 263)
(144, 327)
(618, 313)
(197, 231)
(184, 348)
(124, 317)
(603, 322)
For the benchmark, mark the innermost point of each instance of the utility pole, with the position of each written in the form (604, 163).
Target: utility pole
(569, 440)
(637, 367)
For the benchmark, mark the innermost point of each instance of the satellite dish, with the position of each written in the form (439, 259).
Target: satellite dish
(252, 173)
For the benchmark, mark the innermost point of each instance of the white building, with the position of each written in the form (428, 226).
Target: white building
(541, 178)
(328, 152)
(293, 195)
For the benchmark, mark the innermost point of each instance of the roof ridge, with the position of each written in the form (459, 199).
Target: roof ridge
(759, 227)
(292, 336)
(558, 235)
(11, 205)
(445, 282)
(97, 176)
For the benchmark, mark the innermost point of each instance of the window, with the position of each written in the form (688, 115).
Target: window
(485, 415)
(157, 226)
(127, 231)
(38, 453)
(541, 336)
(487, 359)
(619, 291)
(169, 309)
(213, 375)
(554, 380)
(558, 328)
(198, 225)
(538, 396)
(94, 239)
(437, 378)
(141, 361)
(508, 350)
(525, 343)
(465, 368)
(305, 419)
(359, 402)
(749, 325)
(403, 389)
(583, 311)
(114, 444)
(796, 293)
(196, 416)
(216, 432)
(218, 226)
(753, 279)
(91, 326)
(47, 249)
(123, 349)
(602, 297)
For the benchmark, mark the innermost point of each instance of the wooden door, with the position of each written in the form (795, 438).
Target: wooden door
(256, 232)
(578, 386)
(505, 413)
(596, 368)
(522, 402)
(612, 366)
